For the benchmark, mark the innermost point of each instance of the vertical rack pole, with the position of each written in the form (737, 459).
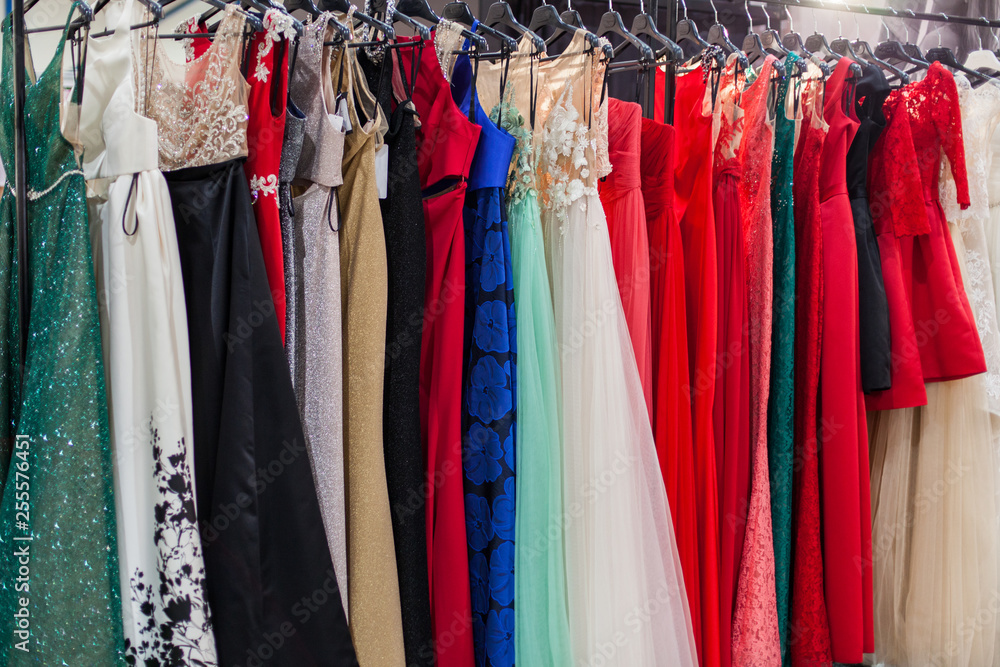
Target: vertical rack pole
(20, 181)
(668, 80)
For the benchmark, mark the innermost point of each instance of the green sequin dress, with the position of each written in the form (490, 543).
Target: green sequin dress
(57, 493)
(781, 400)
(542, 621)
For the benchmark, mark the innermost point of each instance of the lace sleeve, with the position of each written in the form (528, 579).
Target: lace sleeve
(894, 177)
(947, 115)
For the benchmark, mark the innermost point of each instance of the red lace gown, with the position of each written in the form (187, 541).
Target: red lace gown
(621, 197)
(843, 456)
(671, 402)
(446, 142)
(943, 327)
(265, 132)
(731, 410)
(694, 208)
(752, 599)
(809, 636)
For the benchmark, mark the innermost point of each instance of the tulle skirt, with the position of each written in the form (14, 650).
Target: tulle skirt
(934, 530)
(542, 624)
(627, 606)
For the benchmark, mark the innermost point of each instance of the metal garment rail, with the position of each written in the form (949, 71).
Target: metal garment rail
(833, 6)
(20, 183)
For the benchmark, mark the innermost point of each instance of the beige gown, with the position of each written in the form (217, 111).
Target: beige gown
(375, 616)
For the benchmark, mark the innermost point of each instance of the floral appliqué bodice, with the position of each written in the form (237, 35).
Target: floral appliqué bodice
(200, 107)
(727, 116)
(572, 152)
(980, 115)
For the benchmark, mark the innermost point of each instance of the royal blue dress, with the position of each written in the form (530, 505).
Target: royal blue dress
(488, 411)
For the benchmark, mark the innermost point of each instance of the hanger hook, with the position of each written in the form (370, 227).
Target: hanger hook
(940, 28)
(979, 35)
(815, 22)
(746, 4)
(684, 5)
(996, 38)
(642, 7)
(714, 9)
(610, 8)
(791, 26)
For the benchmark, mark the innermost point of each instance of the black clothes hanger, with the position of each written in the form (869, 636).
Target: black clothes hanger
(946, 57)
(308, 6)
(500, 13)
(611, 23)
(252, 20)
(152, 6)
(460, 12)
(892, 51)
(546, 16)
(687, 31)
(644, 25)
(718, 35)
(344, 7)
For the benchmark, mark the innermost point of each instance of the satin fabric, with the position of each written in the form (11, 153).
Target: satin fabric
(265, 548)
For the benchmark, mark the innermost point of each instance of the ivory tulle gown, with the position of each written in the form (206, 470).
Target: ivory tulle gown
(613, 484)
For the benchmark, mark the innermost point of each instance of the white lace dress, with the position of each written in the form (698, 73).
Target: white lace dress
(980, 115)
(144, 331)
(626, 597)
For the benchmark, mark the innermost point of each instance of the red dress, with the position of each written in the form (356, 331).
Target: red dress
(671, 402)
(943, 327)
(843, 457)
(731, 411)
(809, 640)
(694, 209)
(446, 142)
(893, 175)
(624, 209)
(265, 132)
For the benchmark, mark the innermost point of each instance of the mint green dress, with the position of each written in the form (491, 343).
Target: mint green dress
(541, 620)
(781, 401)
(58, 499)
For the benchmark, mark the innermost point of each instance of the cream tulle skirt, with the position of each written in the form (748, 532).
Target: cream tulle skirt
(935, 525)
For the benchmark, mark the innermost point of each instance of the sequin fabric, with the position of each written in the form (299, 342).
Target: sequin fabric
(316, 340)
(291, 148)
(200, 107)
(57, 516)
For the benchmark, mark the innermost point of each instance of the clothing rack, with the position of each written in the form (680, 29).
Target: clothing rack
(833, 6)
(20, 183)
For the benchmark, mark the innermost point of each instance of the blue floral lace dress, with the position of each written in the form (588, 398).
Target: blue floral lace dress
(489, 384)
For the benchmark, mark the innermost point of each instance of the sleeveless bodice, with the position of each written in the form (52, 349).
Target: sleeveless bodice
(870, 93)
(42, 115)
(495, 149)
(312, 91)
(841, 132)
(116, 140)
(624, 140)
(446, 138)
(200, 106)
